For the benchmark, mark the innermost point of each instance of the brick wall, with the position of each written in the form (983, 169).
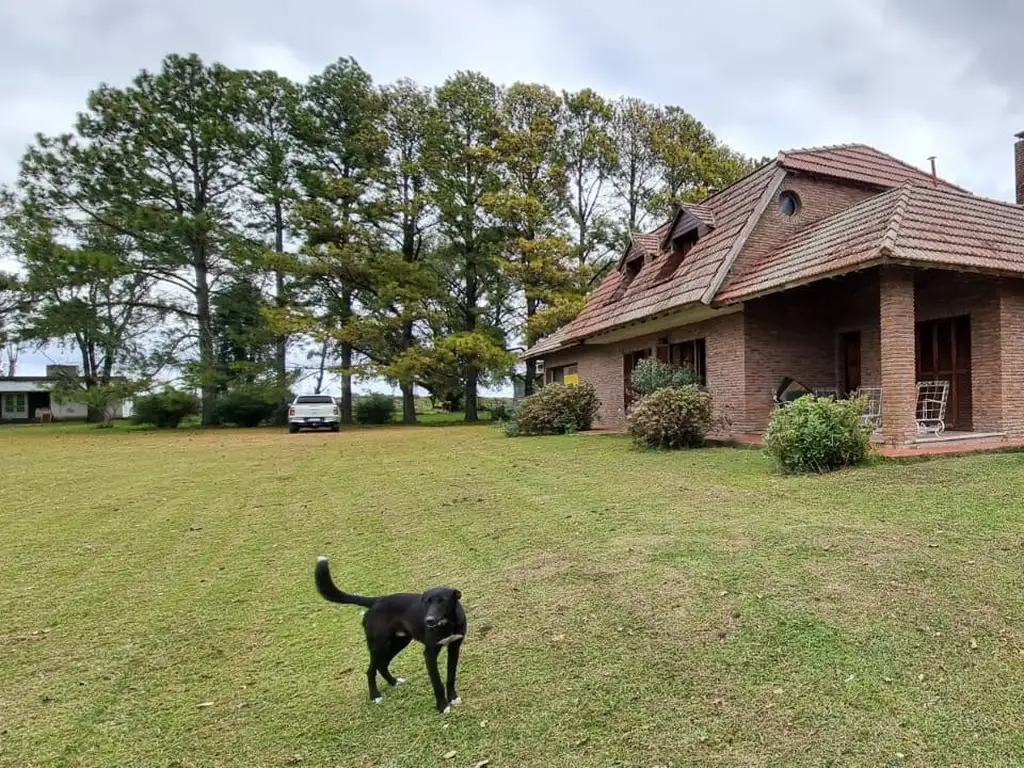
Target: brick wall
(819, 198)
(602, 366)
(1012, 357)
(796, 334)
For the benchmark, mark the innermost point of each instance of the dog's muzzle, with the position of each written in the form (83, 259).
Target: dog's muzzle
(432, 622)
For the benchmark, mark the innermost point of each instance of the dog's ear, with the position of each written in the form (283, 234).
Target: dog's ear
(456, 594)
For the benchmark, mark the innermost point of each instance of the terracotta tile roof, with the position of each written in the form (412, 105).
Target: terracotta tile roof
(653, 291)
(702, 213)
(939, 227)
(914, 224)
(549, 343)
(840, 242)
(858, 162)
(649, 243)
(704, 274)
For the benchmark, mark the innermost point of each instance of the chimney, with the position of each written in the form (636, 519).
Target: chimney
(1018, 156)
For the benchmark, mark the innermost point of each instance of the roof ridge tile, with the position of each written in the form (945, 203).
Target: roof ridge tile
(896, 220)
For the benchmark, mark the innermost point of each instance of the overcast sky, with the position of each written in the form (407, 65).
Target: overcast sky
(911, 77)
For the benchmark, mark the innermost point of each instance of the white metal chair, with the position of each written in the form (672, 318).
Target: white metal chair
(872, 413)
(932, 397)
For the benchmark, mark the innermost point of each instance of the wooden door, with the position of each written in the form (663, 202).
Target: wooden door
(849, 357)
(944, 354)
(629, 361)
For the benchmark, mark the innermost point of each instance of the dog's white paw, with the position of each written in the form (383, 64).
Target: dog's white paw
(457, 700)
(378, 700)
(446, 710)
(399, 681)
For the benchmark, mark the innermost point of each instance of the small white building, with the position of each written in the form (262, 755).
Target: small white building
(28, 398)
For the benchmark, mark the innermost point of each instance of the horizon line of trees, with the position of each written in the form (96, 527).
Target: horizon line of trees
(207, 220)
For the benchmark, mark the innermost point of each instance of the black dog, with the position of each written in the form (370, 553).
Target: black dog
(434, 618)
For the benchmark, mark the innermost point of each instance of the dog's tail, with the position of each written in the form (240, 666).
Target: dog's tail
(325, 586)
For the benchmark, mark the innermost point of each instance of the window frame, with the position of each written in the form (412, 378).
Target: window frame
(556, 374)
(681, 353)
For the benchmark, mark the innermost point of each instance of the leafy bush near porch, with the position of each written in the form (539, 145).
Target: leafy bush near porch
(651, 374)
(814, 434)
(672, 417)
(165, 410)
(556, 409)
(375, 408)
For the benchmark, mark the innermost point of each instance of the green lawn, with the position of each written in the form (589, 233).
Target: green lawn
(625, 608)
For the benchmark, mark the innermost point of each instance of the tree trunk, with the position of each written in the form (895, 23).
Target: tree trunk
(471, 381)
(531, 364)
(346, 361)
(408, 396)
(472, 374)
(408, 404)
(531, 377)
(346, 383)
(207, 356)
(280, 300)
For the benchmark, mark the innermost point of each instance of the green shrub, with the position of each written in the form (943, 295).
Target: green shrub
(166, 409)
(500, 412)
(555, 409)
(672, 417)
(651, 374)
(814, 434)
(374, 409)
(247, 408)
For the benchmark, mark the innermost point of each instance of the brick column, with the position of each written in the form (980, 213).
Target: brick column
(896, 319)
(1012, 356)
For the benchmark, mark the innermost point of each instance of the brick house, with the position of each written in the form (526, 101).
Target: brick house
(840, 267)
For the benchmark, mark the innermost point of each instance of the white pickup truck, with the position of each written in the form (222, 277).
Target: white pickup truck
(313, 412)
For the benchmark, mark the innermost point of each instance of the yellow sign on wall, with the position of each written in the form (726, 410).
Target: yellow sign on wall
(571, 379)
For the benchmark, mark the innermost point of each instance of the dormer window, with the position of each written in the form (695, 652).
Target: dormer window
(629, 270)
(682, 244)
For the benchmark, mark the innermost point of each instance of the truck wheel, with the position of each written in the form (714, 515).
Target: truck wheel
(335, 428)
(293, 428)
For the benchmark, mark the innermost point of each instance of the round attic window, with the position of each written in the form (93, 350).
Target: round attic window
(789, 203)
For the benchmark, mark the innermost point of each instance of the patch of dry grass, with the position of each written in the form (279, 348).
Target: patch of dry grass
(626, 608)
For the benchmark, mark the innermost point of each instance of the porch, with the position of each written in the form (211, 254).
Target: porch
(888, 332)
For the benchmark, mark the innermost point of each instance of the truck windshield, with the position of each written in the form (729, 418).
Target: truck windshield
(315, 400)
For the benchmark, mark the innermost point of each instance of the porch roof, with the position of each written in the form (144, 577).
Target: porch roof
(923, 226)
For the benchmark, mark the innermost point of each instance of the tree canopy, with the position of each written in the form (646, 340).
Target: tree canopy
(215, 222)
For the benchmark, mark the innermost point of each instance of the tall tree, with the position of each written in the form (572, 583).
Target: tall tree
(159, 163)
(590, 160)
(271, 106)
(402, 286)
(464, 167)
(692, 161)
(342, 162)
(634, 180)
(246, 344)
(531, 207)
(12, 299)
(89, 297)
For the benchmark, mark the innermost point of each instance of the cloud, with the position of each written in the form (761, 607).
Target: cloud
(912, 77)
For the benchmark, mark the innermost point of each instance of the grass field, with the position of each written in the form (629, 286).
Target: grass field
(632, 609)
